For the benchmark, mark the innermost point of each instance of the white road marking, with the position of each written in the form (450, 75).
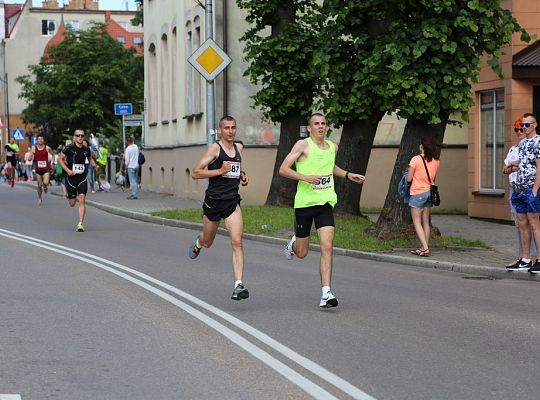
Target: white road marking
(10, 397)
(310, 387)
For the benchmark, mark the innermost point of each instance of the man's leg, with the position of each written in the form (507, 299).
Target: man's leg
(132, 175)
(235, 225)
(39, 180)
(326, 240)
(525, 233)
(46, 181)
(82, 207)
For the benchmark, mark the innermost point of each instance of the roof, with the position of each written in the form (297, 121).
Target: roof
(11, 11)
(526, 63)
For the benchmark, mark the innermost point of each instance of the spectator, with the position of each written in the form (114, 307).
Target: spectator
(130, 162)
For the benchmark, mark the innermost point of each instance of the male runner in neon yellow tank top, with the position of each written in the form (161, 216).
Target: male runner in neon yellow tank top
(315, 198)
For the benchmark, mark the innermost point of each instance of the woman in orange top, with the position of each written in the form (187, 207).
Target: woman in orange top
(420, 201)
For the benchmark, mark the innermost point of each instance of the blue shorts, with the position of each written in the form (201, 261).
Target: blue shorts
(421, 200)
(525, 202)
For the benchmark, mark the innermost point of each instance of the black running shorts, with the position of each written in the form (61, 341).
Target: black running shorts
(76, 185)
(304, 217)
(216, 210)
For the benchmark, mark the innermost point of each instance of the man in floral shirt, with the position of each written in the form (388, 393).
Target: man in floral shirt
(525, 198)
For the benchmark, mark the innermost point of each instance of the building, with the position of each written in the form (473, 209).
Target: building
(30, 30)
(175, 136)
(498, 103)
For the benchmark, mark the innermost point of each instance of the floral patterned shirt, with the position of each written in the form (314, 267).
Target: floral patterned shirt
(529, 151)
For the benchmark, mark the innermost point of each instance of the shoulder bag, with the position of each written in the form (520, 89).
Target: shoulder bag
(434, 190)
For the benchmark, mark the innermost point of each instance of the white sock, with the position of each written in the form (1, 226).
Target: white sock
(526, 260)
(237, 282)
(325, 290)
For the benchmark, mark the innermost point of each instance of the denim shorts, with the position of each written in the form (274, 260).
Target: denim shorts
(525, 202)
(421, 200)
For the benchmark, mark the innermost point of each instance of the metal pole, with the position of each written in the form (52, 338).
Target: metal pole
(123, 134)
(210, 110)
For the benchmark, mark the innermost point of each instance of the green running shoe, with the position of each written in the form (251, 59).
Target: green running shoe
(80, 227)
(240, 292)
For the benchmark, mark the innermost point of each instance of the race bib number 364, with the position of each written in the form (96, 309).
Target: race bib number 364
(324, 183)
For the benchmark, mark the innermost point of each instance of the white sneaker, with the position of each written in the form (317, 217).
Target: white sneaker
(328, 301)
(289, 253)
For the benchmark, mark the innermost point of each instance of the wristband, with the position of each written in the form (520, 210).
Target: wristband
(347, 175)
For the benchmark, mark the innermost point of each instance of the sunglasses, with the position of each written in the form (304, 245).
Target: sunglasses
(518, 130)
(526, 124)
(79, 135)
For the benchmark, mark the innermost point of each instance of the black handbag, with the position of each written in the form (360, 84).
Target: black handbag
(434, 190)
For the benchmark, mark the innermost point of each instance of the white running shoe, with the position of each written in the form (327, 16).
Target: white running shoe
(328, 301)
(289, 253)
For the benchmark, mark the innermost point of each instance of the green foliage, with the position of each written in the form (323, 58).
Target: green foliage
(279, 62)
(139, 16)
(77, 83)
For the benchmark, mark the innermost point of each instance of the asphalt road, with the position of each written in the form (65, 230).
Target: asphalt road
(120, 312)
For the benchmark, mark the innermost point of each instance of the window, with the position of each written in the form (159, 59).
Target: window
(193, 78)
(137, 40)
(48, 27)
(165, 82)
(121, 39)
(491, 143)
(152, 84)
(73, 24)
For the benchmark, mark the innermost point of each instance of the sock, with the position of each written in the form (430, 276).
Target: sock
(526, 260)
(237, 282)
(325, 290)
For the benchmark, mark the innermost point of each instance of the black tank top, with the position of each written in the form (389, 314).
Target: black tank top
(225, 187)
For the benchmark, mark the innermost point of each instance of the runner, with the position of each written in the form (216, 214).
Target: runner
(221, 164)
(40, 155)
(314, 158)
(12, 149)
(72, 159)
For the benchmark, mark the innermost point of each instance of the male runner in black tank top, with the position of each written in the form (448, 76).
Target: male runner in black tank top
(221, 165)
(72, 159)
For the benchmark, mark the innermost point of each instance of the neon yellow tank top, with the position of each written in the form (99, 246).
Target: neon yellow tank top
(318, 162)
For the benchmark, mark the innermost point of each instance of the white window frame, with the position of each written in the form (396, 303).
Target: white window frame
(49, 33)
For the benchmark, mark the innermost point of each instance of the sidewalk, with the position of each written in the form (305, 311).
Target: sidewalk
(486, 263)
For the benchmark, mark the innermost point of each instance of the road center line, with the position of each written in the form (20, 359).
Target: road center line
(307, 385)
(10, 397)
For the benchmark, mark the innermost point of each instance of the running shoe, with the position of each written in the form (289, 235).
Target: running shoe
(289, 253)
(240, 292)
(194, 250)
(535, 269)
(80, 227)
(519, 266)
(328, 301)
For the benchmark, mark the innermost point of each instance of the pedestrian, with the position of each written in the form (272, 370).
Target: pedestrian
(72, 161)
(525, 197)
(130, 162)
(314, 158)
(510, 168)
(40, 154)
(422, 173)
(12, 151)
(28, 164)
(90, 172)
(102, 157)
(221, 165)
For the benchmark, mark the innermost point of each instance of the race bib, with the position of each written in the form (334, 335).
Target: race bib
(234, 172)
(78, 168)
(9, 154)
(42, 164)
(324, 183)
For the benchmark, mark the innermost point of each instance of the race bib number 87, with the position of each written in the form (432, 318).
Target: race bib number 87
(234, 172)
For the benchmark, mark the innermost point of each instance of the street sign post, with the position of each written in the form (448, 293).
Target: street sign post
(209, 59)
(134, 120)
(18, 134)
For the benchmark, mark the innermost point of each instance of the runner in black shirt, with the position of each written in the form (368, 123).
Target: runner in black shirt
(222, 166)
(72, 159)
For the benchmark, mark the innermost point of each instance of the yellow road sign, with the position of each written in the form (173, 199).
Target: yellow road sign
(209, 59)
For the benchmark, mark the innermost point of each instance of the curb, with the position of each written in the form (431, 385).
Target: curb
(484, 271)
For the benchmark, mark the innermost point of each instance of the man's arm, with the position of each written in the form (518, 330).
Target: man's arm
(299, 149)
(62, 163)
(201, 170)
(350, 176)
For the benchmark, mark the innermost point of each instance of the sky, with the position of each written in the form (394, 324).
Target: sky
(103, 4)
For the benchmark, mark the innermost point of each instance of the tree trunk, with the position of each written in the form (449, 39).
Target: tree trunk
(353, 155)
(282, 190)
(395, 218)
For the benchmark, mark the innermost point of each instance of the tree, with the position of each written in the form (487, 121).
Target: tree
(279, 63)
(78, 81)
(139, 16)
(433, 52)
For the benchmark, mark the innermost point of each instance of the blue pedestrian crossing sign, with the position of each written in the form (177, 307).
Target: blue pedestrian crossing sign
(18, 134)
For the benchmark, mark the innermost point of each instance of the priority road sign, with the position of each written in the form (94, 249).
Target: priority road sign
(123, 109)
(18, 134)
(209, 59)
